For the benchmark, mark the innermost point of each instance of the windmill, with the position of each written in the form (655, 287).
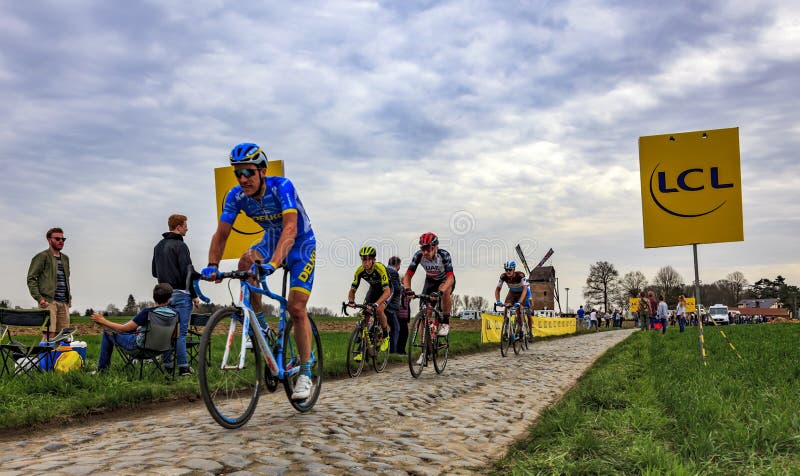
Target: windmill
(543, 281)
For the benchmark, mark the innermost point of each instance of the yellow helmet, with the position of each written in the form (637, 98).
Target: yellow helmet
(368, 251)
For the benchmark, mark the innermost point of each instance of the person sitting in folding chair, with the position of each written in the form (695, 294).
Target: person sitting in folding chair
(123, 335)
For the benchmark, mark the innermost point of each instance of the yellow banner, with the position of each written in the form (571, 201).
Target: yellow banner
(633, 303)
(691, 188)
(691, 306)
(245, 231)
(492, 326)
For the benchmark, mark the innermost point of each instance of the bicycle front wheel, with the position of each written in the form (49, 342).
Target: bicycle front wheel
(417, 340)
(379, 357)
(516, 338)
(440, 353)
(505, 337)
(229, 387)
(291, 364)
(355, 351)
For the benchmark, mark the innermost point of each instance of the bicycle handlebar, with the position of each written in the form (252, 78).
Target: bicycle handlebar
(367, 307)
(243, 276)
(504, 306)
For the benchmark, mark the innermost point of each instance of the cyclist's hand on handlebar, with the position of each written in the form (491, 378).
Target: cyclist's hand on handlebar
(498, 303)
(351, 303)
(516, 305)
(209, 272)
(408, 292)
(262, 269)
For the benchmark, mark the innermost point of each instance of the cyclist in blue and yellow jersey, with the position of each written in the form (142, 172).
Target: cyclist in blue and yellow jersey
(288, 241)
(519, 292)
(439, 275)
(375, 274)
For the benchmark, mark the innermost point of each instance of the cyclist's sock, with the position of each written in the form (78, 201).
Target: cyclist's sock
(305, 369)
(445, 319)
(385, 332)
(261, 321)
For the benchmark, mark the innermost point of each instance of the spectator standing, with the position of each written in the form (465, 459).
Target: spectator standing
(607, 318)
(593, 320)
(171, 264)
(662, 311)
(393, 305)
(580, 313)
(403, 316)
(651, 299)
(123, 335)
(48, 281)
(680, 310)
(644, 311)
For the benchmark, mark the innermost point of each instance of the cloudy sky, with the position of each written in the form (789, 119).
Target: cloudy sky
(489, 123)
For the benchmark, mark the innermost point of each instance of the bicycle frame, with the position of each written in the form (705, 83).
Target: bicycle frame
(274, 361)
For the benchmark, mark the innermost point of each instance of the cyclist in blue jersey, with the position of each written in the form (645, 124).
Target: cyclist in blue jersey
(288, 241)
(519, 291)
(439, 276)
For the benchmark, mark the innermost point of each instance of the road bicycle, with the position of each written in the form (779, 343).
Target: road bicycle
(365, 341)
(514, 332)
(424, 341)
(231, 360)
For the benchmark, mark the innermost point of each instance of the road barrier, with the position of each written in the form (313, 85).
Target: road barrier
(492, 325)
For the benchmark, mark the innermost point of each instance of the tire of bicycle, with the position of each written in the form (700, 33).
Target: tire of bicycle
(417, 345)
(525, 330)
(291, 357)
(230, 398)
(505, 341)
(515, 337)
(441, 352)
(379, 357)
(355, 346)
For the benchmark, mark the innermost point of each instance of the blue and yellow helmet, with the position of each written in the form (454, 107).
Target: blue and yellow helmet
(248, 153)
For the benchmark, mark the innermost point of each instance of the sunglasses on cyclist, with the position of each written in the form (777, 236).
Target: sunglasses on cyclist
(509, 269)
(58, 238)
(365, 258)
(246, 173)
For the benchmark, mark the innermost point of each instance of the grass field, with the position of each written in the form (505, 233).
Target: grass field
(649, 406)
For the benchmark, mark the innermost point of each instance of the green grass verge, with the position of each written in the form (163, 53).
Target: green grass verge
(649, 406)
(49, 397)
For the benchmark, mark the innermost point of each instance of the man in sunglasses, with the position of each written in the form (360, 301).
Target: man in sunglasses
(519, 291)
(379, 292)
(48, 281)
(288, 240)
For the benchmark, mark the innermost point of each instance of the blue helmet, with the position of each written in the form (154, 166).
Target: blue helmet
(510, 265)
(248, 153)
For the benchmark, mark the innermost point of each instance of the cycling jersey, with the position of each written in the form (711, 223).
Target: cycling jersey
(377, 277)
(437, 269)
(279, 198)
(516, 282)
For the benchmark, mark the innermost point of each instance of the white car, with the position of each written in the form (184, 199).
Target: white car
(469, 314)
(719, 312)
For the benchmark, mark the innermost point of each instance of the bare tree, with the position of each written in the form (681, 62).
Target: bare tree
(669, 283)
(737, 283)
(600, 284)
(458, 303)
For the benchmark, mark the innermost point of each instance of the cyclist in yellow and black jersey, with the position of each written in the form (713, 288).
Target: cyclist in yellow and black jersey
(374, 273)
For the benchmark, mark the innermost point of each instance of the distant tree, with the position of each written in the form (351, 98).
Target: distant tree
(467, 301)
(479, 303)
(315, 311)
(130, 308)
(668, 283)
(457, 303)
(600, 284)
(111, 310)
(5, 303)
(629, 286)
(737, 284)
(88, 312)
(143, 305)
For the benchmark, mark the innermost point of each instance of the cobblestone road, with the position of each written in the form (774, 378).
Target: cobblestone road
(389, 423)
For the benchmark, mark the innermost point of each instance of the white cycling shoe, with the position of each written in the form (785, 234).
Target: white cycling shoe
(444, 329)
(302, 388)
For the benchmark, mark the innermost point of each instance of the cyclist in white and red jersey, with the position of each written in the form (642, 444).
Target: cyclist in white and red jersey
(439, 275)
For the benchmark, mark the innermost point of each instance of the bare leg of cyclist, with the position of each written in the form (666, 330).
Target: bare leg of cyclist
(302, 329)
(383, 321)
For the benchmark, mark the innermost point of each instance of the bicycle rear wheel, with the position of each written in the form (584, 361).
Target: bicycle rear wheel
(515, 337)
(291, 364)
(379, 357)
(441, 350)
(505, 340)
(417, 342)
(230, 391)
(355, 351)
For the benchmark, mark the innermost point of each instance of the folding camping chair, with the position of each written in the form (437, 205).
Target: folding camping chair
(24, 356)
(160, 335)
(196, 324)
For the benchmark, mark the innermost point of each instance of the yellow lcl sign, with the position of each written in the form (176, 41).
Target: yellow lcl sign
(691, 188)
(245, 232)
